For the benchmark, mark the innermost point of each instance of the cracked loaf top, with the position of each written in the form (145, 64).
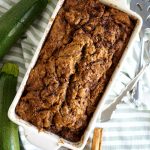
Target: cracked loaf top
(76, 62)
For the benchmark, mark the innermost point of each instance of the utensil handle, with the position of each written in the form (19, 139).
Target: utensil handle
(139, 89)
(40, 140)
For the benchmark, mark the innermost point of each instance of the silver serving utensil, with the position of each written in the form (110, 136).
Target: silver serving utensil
(107, 112)
(142, 7)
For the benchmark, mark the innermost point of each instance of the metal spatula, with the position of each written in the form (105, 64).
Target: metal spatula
(142, 7)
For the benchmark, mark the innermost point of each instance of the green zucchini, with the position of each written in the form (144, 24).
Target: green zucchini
(9, 138)
(16, 21)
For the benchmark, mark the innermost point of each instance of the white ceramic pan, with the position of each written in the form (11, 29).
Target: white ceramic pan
(50, 141)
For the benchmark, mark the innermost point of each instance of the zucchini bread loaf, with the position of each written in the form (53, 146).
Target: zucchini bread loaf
(76, 62)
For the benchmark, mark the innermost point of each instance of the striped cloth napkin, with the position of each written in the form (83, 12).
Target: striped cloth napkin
(129, 128)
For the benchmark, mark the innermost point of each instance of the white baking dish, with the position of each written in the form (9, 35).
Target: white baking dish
(50, 141)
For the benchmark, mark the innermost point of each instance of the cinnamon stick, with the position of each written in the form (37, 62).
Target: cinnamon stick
(96, 143)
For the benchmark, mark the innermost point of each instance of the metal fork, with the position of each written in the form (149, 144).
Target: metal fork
(142, 7)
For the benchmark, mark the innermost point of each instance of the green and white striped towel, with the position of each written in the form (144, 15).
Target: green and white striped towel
(129, 128)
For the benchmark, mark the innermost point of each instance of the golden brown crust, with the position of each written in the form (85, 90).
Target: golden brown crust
(76, 62)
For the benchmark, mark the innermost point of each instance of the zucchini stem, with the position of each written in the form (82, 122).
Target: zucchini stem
(11, 69)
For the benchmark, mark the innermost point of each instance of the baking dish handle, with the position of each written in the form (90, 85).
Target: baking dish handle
(41, 140)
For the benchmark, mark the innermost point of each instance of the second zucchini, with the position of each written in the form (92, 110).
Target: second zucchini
(9, 138)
